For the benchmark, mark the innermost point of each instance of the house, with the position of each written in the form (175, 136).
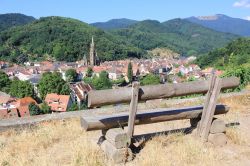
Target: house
(79, 92)
(8, 113)
(23, 106)
(7, 109)
(58, 103)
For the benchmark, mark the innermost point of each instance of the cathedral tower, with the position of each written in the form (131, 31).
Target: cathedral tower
(92, 53)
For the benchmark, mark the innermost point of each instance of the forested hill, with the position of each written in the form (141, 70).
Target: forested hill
(234, 54)
(60, 38)
(179, 35)
(114, 24)
(13, 19)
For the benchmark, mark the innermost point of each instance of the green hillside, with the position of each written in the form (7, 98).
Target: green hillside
(13, 19)
(60, 38)
(234, 54)
(179, 35)
(114, 24)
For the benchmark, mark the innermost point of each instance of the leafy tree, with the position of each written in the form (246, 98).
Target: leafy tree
(102, 82)
(34, 109)
(45, 108)
(52, 83)
(4, 82)
(71, 75)
(150, 79)
(89, 72)
(21, 89)
(242, 72)
(130, 72)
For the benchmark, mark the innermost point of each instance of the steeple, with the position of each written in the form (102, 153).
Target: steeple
(92, 53)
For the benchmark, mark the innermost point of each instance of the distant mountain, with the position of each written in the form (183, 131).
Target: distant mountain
(14, 19)
(178, 35)
(62, 39)
(223, 23)
(114, 24)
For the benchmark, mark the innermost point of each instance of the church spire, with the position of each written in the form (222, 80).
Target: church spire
(92, 53)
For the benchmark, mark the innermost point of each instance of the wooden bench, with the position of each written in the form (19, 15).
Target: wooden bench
(117, 141)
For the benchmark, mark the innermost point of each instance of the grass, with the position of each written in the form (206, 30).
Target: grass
(65, 143)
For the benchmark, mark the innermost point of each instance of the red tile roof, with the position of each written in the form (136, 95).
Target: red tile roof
(57, 102)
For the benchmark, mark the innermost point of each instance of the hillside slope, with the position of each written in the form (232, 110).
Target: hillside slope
(60, 38)
(14, 19)
(223, 23)
(178, 35)
(114, 24)
(234, 54)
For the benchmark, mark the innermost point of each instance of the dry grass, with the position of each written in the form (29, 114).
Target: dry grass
(176, 149)
(64, 143)
(55, 143)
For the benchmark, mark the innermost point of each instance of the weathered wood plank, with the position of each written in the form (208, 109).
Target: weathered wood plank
(145, 117)
(133, 109)
(209, 110)
(123, 95)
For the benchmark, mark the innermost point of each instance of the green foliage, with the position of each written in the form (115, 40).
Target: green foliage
(192, 78)
(4, 82)
(130, 72)
(102, 82)
(62, 39)
(119, 81)
(21, 89)
(178, 35)
(14, 19)
(89, 72)
(242, 72)
(99, 83)
(150, 79)
(73, 107)
(71, 75)
(45, 108)
(234, 54)
(34, 109)
(52, 83)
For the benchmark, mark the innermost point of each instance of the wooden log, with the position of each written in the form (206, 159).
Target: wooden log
(123, 95)
(117, 137)
(145, 117)
(218, 126)
(133, 109)
(209, 109)
(117, 155)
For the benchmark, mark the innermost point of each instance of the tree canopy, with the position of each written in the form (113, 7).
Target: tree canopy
(52, 83)
(21, 89)
(150, 79)
(4, 82)
(71, 75)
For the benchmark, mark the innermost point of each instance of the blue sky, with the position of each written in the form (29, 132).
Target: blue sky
(102, 10)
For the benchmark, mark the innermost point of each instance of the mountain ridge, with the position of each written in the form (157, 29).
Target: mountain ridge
(223, 23)
(14, 19)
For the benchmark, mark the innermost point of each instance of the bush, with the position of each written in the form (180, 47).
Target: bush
(242, 72)
(34, 109)
(150, 79)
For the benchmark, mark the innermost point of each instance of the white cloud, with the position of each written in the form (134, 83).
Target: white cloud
(242, 3)
(247, 18)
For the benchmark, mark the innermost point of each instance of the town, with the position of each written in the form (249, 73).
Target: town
(52, 87)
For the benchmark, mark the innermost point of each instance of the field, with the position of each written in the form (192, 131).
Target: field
(65, 143)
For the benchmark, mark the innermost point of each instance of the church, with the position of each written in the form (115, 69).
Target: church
(93, 58)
